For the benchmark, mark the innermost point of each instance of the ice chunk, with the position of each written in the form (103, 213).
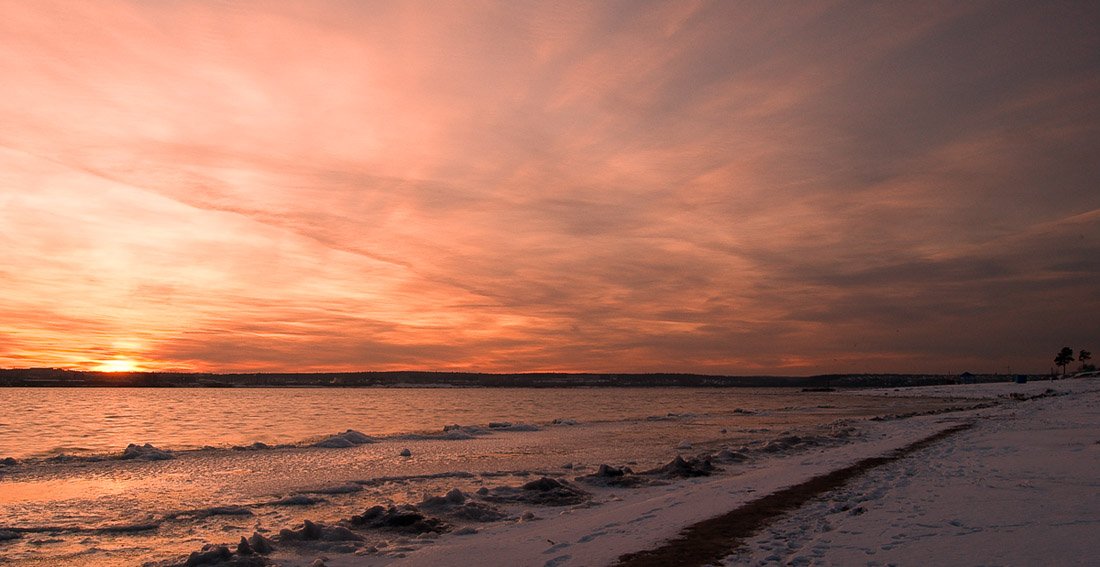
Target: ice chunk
(404, 518)
(453, 497)
(297, 500)
(523, 427)
(209, 555)
(349, 438)
(544, 491)
(261, 544)
(145, 452)
(679, 467)
(608, 475)
(257, 446)
(456, 505)
(311, 531)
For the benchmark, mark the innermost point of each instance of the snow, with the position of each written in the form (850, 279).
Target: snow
(1021, 488)
(645, 516)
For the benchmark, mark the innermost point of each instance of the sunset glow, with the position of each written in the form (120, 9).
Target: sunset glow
(713, 187)
(117, 365)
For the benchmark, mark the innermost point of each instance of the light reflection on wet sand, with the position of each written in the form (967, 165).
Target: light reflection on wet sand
(55, 490)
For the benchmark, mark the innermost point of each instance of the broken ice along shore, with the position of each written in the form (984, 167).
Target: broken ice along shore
(568, 469)
(343, 440)
(393, 530)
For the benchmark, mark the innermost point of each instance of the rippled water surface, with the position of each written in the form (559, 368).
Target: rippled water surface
(38, 422)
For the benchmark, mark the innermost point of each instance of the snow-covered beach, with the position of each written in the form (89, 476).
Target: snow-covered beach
(1021, 487)
(1018, 487)
(1015, 483)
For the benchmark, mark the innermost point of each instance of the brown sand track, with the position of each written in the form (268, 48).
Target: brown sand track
(711, 540)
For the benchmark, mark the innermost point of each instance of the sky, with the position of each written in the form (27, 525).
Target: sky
(618, 186)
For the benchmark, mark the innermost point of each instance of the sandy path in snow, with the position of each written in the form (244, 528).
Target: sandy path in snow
(707, 541)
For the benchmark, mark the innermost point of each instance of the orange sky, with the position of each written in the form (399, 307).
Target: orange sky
(715, 187)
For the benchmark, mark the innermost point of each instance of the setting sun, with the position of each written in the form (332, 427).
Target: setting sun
(117, 364)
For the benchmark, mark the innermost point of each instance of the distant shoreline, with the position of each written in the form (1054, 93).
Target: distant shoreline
(60, 378)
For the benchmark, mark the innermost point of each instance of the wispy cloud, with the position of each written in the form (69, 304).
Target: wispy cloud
(684, 186)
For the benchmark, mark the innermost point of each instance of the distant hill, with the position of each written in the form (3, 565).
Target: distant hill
(53, 377)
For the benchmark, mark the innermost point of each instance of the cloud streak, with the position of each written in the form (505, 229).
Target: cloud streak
(705, 186)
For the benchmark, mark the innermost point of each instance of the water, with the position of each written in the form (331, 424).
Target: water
(73, 502)
(42, 422)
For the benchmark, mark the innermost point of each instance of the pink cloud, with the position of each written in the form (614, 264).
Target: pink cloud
(707, 186)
